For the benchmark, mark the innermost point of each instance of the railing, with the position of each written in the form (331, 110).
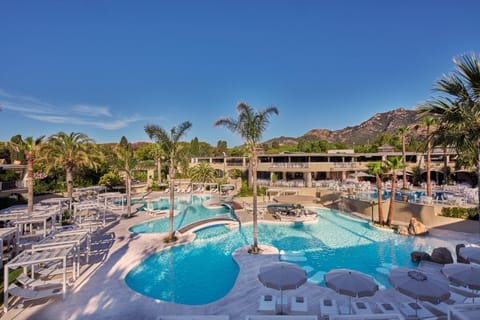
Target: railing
(344, 164)
(300, 165)
(11, 185)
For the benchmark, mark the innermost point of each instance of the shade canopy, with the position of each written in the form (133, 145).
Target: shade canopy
(419, 284)
(472, 254)
(282, 276)
(467, 275)
(351, 283)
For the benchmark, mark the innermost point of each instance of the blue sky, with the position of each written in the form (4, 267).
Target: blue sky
(108, 68)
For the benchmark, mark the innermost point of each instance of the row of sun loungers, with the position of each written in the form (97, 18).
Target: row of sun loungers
(332, 309)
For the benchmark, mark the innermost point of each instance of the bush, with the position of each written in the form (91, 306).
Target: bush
(461, 213)
(246, 191)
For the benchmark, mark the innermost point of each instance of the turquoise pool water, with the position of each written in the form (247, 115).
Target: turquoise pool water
(204, 271)
(191, 210)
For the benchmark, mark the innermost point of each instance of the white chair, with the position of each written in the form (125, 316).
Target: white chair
(298, 305)
(267, 304)
(360, 307)
(328, 308)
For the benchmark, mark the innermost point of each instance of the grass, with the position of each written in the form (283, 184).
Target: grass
(12, 276)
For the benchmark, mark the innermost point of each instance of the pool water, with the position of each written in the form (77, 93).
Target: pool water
(191, 209)
(204, 271)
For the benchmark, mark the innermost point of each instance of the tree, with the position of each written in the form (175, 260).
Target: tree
(403, 131)
(70, 152)
(378, 170)
(428, 122)
(202, 172)
(393, 164)
(29, 148)
(126, 163)
(170, 142)
(250, 125)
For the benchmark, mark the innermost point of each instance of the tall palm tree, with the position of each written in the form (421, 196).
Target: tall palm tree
(70, 152)
(428, 122)
(458, 107)
(158, 154)
(378, 170)
(170, 143)
(29, 147)
(403, 131)
(393, 164)
(126, 163)
(202, 172)
(250, 125)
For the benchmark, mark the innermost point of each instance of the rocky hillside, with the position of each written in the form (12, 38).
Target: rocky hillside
(387, 122)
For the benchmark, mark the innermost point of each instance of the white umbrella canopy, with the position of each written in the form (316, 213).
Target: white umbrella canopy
(419, 285)
(467, 275)
(472, 254)
(350, 283)
(282, 276)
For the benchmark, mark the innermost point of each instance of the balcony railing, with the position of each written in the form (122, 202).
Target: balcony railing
(287, 165)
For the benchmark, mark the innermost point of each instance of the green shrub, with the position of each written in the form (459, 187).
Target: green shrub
(461, 213)
(246, 191)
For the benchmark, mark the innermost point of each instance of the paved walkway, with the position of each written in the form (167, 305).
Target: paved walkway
(101, 292)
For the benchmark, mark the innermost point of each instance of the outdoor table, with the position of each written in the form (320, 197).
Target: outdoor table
(4, 234)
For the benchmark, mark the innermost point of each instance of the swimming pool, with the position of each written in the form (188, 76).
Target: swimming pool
(185, 274)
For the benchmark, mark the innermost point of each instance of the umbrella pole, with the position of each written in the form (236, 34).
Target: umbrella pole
(281, 301)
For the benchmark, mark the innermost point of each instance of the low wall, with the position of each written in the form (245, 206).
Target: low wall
(427, 214)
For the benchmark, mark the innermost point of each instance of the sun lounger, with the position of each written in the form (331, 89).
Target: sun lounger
(328, 307)
(267, 304)
(35, 284)
(390, 316)
(298, 305)
(360, 307)
(415, 310)
(30, 294)
(387, 307)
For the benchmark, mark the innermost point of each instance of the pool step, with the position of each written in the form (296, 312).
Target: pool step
(317, 278)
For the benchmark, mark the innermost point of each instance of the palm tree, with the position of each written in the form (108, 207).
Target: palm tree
(70, 152)
(393, 164)
(403, 131)
(376, 169)
(202, 172)
(29, 147)
(428, 122)
(250, 125)
(126, 163)
(157, 151)
(170, 143)
(458, 107)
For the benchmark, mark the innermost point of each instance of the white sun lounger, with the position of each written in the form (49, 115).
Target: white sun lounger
(267, 304)
(26, 281)
(415, 310)
(387, 307)
(328, 307)
(360, 307)
(298, 305)
(389, 316)
(30, 294)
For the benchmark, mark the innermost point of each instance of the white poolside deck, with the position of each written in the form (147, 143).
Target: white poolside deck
(101, 292)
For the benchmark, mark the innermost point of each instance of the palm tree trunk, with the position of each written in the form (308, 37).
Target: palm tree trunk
(69, 176)
(380, 204)
(250, 172)
(159, 170)
(404, 164)
(445, 165)
(29, 183)
(391, 207)
(478, 179)
(429, 183)
(128, 186)
(171, 177)
(255, 214)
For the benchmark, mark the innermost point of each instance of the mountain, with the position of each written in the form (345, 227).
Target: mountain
(367, 131)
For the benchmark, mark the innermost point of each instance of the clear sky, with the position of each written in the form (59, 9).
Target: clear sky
(107, 68)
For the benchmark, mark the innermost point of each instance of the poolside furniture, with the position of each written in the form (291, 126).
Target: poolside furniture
(32, 294)
(360, 307)
(267, 304)
(194, 317)
(464, 312)
(328, 307)
(298, 305)
(387, 307)
(36, 284)
(280, 317)
(390, 316)
(415, 310)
